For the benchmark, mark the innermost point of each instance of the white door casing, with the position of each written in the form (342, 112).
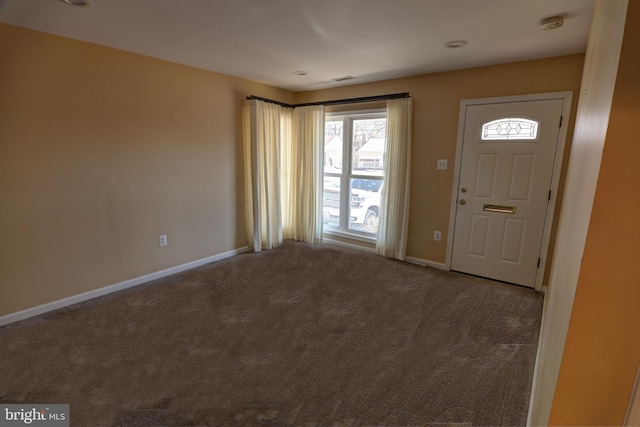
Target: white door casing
(505, 188)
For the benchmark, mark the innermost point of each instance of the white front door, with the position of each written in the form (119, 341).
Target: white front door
(506, 170)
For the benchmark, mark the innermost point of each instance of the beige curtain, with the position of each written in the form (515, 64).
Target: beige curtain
(283, 154)
(302, 207)
(394, 204)
(262, 135)
(286, 127)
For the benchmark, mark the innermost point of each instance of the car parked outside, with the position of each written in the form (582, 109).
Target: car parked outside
(364, 203)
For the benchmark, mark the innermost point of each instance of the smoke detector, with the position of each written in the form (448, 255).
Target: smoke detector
(551, 23)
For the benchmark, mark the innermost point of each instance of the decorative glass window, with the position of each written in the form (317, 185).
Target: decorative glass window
(510, 129)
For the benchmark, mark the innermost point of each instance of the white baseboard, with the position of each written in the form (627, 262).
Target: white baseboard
(426, 263)
(54, 305)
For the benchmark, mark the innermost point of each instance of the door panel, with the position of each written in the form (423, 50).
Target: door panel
(479, 234)
(513, 240)
(521, 176)
(486, 175)
(508, 166)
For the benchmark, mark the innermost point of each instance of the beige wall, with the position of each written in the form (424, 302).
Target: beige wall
(436, 107)
(103, 150)
(100, 152)
(602, 350)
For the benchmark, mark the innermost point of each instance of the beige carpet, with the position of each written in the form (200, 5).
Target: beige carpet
(297, 336)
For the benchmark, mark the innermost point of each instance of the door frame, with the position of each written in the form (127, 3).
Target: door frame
(555, 180)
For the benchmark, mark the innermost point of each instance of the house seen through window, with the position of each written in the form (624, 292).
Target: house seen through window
(353, 172)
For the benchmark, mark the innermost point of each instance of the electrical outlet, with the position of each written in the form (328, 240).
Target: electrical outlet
(442, 165)
(437, 236)
(162, 239)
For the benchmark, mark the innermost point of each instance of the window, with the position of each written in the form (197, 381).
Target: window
(510, 129)
(354, 155)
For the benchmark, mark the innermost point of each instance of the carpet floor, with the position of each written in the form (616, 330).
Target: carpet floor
(300, 335)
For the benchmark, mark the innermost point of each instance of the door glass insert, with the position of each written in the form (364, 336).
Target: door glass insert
(510, 129)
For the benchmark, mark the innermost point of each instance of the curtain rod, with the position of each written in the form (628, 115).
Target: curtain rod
(335, 101)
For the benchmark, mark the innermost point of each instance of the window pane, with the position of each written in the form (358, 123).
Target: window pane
(333, 146)
(510, 129)
(331, 201)
(367, 156)
(364, 203)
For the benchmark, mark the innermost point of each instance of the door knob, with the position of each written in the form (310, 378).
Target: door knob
(463, 201)
(464, 190)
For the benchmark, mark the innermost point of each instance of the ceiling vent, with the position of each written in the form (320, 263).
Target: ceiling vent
(81, 3)
(343, 78)
(454, 44)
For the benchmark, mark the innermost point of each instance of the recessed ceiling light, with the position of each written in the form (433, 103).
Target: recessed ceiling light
(300, 73)
(453, 44)
(82, 3)
(551, 23)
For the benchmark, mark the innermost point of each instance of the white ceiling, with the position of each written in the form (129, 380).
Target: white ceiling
(267, 40)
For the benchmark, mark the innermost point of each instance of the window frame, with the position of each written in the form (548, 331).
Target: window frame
(346, 175)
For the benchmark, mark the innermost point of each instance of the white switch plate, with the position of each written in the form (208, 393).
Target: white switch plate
(437, 236)
(162, 239)
(442, 164)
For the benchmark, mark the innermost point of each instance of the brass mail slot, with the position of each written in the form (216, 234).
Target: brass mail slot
(499, 208)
